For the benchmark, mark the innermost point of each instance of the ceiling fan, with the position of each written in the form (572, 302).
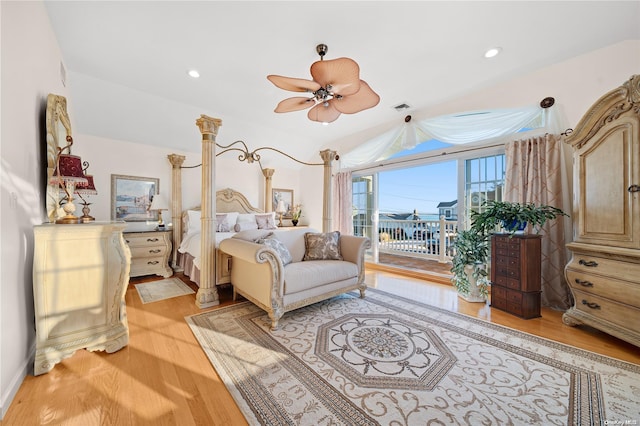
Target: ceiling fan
(336, 88)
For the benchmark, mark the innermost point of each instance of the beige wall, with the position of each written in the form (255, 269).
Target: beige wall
(30, 71)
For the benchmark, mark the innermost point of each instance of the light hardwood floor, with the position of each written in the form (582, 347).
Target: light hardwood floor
(164, 378)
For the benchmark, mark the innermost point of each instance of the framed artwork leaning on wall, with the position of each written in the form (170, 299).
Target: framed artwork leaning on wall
(285, 195)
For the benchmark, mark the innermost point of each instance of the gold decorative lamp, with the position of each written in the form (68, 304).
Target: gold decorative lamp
(86, 189)
(67, 175)
(159, 203)
(281, 209)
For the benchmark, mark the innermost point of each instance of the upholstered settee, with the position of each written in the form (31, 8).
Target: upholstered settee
(280, 280)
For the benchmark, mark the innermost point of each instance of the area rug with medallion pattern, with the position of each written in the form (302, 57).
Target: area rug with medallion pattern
(388, 360)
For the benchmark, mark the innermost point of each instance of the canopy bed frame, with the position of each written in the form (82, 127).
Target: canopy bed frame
(211, 260)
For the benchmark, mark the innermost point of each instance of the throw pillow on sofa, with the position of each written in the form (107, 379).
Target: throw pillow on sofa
(270, 240)
(322, 246)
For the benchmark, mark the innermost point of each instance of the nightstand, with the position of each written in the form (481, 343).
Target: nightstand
(150, 252)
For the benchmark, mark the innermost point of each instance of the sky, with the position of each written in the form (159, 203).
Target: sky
(421, 188)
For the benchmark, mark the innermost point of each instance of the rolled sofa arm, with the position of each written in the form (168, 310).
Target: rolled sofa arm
(352, 249)
(258, 261)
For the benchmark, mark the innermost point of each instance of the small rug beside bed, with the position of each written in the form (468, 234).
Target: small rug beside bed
(390, 360)
(163, 289)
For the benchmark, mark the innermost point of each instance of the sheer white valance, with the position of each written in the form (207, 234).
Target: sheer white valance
(460, 128)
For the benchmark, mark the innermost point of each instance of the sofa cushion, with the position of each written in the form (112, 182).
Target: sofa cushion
(273, 242)
(300, 276)
(322, 246)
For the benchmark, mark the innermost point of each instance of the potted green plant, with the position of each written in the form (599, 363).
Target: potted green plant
(295, 214)
(512, 217)
(470, 259)
(469, 265)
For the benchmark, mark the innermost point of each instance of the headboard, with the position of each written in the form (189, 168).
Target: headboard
(228, 200)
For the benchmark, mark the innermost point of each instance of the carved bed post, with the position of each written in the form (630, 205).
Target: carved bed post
(207, 295)
(327, 157)
(176, 205)
(268, 200)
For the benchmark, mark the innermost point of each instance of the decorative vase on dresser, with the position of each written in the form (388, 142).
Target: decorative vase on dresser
(604, 270)
(80, 276)
(150, 252)
(515, 274)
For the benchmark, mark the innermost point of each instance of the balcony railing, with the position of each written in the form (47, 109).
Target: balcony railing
(428, 239)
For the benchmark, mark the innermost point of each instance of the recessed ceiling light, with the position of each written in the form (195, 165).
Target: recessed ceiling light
(492, 52)
(194, 73)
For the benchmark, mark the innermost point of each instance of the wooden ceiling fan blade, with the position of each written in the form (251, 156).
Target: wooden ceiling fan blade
(294, 104)
(293, 84)
(342, 74)
(324, 112)
(365, 98)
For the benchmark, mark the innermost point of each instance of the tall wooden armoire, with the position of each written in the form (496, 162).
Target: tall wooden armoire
(604, 270)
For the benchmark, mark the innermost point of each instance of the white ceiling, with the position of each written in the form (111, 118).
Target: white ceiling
(127, 61)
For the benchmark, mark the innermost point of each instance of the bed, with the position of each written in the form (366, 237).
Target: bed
(210, 267)
(238, 212)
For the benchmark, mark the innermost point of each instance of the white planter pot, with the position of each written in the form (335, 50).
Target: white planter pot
(474, 291)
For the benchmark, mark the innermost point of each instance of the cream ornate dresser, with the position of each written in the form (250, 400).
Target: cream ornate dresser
(604, 271)
(150, 252)
(80, 276)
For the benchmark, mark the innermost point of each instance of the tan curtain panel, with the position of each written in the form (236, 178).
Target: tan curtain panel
(534, 174)
(343, 203)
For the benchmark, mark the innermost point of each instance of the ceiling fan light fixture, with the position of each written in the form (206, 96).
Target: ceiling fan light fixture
(336, 88)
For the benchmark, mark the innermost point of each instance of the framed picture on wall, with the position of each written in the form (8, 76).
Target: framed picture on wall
(286, 195)
(131, 198)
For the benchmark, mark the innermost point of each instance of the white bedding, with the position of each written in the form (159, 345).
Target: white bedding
(191, 244)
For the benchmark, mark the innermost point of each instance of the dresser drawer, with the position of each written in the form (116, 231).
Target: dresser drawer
(503, 271)
(608, 310)
(149, 251)
(146, 264)
(610, 268)
(617, 290)
(143, 240)
(504, 281)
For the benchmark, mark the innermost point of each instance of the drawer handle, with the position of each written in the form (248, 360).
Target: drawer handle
(589, 263)
(127, 241)
(152, 262)
(592, 305)
(634, 188)
(152, 240)
(155, 251)
(584, 283)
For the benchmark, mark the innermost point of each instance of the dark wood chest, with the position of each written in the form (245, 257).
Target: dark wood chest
(515, 274)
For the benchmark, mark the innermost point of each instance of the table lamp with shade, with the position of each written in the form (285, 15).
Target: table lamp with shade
(67, 175)
(281, 209)
(159, 203)
(84, 189)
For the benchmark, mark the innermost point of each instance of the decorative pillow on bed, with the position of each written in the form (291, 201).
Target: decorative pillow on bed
(222, 223)
(322, 246)
(244, 226)
(266, 220)
(270, 240)
(192, 225)
(246, 218)
(232, 218)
